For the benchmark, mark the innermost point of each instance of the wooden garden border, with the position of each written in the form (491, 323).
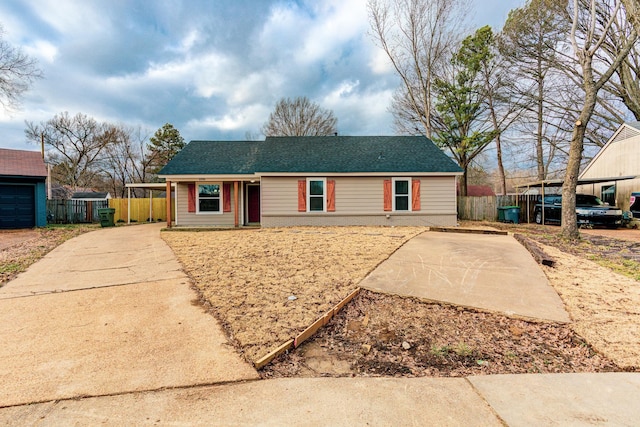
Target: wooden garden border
(306, 334)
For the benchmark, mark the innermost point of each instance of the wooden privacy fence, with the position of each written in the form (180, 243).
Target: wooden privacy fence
(61, 211)
(141, 211)
(485, 208)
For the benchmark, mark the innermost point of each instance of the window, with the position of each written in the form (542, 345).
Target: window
(316, 194)
(608, 194)
(401, 194)
(209, 198)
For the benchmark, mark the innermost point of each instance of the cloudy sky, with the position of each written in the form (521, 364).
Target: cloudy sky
(212, 68)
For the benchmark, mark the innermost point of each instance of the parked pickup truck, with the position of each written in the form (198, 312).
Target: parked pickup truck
(590, 210)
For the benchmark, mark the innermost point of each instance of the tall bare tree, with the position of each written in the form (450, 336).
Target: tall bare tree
(419, 37)
(587, 46)
(127, 160)
(17, 72)
(300, 117)
(531, 41)
(625, 84)
(76, 146)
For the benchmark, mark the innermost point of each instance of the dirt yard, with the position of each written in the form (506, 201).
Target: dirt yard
(380, 335)
(268, 285)
(21, 248)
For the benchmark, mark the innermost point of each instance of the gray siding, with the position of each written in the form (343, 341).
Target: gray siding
(621, 157)
(623, 191)
(192, 219)
(359, 201)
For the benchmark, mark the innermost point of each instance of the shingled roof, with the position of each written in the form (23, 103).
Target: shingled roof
(20, 163)
(323, 154)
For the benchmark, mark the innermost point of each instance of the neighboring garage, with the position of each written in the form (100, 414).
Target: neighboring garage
(23, 199)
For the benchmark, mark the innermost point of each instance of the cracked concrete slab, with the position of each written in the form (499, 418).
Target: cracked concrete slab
(291, 401)
(486, 271)
(93, 333)
(563, 399)
(105, 257)
(111, 340)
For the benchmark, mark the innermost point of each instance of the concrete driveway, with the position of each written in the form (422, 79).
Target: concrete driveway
(108, 312)
(488, 271)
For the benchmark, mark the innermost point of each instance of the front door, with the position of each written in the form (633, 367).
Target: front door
(253, 203)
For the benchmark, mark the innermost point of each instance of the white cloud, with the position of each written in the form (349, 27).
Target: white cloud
(43, 50)
(247, 118)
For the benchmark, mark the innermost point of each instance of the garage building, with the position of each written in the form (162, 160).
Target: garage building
(23, 197)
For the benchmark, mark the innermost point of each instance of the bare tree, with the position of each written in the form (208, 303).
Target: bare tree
(594, 74)
(419, 37)
(127, 160)
(300, 117)
(76, 147)
(531, 40)
(625, 84)
(17, 73)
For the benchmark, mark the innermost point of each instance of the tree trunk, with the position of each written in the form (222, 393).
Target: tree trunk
(463, 179)
(569, 218)
(503, 179)
(539, 135)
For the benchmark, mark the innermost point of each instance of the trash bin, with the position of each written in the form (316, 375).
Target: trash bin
(106, 217)
(509, 214)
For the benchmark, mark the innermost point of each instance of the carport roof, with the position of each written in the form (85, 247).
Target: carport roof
(21, 163)
(560, 182)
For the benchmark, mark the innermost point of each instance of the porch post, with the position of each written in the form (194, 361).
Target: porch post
(168, 199)
(235, 204)
(128, 205)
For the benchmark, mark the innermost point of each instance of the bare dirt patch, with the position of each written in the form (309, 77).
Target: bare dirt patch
(604, 306)
(247, 277)
(268, 285)
(20, 249)
(385, 335)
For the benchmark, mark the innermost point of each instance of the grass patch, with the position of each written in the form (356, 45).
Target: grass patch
(10, 267)
(624, 266)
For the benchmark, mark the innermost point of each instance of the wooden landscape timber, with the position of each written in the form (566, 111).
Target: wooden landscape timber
(538, 254)
(467, 230)
(307, 333)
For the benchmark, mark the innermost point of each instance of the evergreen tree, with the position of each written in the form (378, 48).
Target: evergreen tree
(164, 145)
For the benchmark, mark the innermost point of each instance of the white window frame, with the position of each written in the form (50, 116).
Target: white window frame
(409, 195)
(221, 208)
(324, 194)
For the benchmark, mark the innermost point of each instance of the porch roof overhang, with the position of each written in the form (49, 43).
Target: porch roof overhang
(356, 174)
(157, 186)
(162, 186)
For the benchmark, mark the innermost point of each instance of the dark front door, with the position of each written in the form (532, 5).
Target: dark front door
(253, 203)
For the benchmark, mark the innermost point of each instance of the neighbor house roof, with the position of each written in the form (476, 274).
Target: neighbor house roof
(635, 125)
(22, 163)
(328, 154)
(90, 195)
(479, 190)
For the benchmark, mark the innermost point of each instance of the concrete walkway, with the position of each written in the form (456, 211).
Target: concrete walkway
(105, 330)
(108, 312)
(487, 271)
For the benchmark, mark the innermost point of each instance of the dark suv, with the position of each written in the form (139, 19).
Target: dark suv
(590, 210)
